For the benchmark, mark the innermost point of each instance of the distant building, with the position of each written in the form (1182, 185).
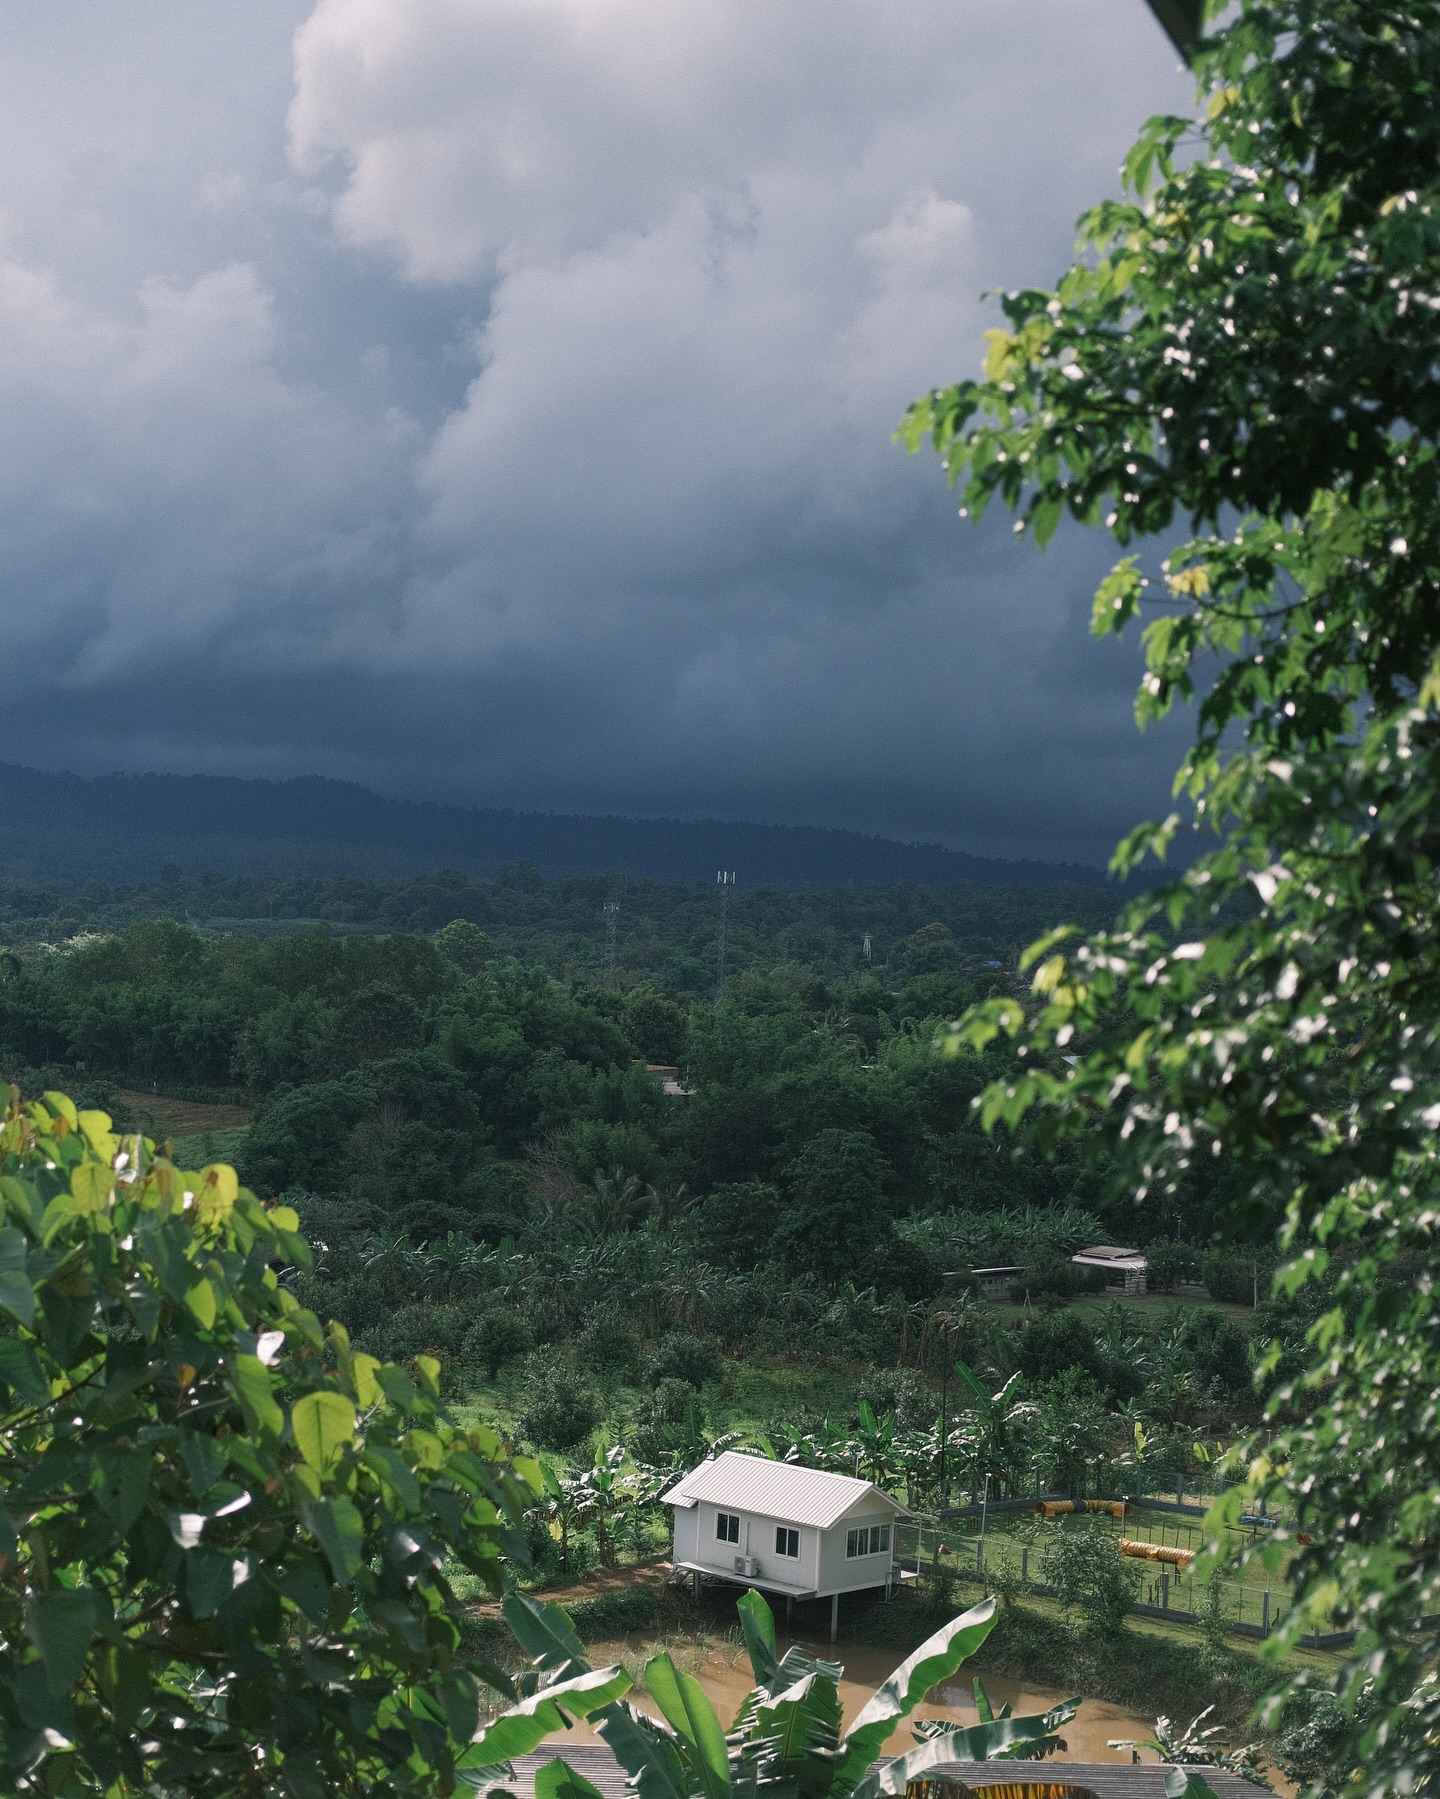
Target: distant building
(802, 1532)
(994, 1283)
(669, 1079)
(1124, 1268)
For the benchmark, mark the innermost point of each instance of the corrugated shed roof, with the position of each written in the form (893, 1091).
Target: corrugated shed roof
(752, 1483)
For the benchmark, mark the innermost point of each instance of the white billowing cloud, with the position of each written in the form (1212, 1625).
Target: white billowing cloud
(526, 395)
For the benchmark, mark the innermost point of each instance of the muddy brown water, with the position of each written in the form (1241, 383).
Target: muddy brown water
(723, 1670)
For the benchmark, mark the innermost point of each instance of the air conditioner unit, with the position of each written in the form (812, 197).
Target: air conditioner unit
(748, 1565)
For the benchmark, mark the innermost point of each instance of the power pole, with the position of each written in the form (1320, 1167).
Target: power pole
(725, 881)
(612, 925)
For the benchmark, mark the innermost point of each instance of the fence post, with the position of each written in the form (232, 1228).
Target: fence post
(1025, 1566)
(1265, 1614)
(1165, 1589)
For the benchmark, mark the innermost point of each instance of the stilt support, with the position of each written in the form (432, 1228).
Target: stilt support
(695, 1583)
(789, 1608)
(834, 1615)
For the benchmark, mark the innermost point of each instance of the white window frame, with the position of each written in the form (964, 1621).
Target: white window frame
(787, 1542)
(727, 1527)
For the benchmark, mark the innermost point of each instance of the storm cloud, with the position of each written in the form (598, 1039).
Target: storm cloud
(492, 400)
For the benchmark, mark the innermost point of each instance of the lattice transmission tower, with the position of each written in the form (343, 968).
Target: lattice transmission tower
(725, 882)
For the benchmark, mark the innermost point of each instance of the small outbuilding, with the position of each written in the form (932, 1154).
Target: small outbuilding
(994, 1283)
(1124, 1268)
(802, 1532)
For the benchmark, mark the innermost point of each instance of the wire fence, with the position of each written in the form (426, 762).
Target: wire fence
(1169, 1589)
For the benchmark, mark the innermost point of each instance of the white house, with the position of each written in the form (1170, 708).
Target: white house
(797, 1531)
(1124, 1268)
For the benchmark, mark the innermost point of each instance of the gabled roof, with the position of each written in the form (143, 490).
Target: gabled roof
(753, 1483)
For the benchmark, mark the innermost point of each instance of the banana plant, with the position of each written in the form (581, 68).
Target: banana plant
(1033, 1749)
(785, 1739)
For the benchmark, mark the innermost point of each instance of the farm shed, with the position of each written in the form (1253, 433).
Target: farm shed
(1124, 1268)
(797, 1531)
(994, 1283)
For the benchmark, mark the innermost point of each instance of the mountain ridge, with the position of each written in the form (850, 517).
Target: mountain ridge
(127, 826)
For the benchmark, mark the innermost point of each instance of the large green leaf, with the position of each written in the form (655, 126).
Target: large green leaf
(558, 1780)
(60, 1623)
(645, 1751)
(255, 1389)
(1185, 1783)
(17, 1296)
(324, 1425)
(20, 1369)
(545, 1633)
(978, 1743)
(340, 1531)
(526, 1725)
(691, 1716)
(757, 1622)
(799, 1729)
(935, 1660)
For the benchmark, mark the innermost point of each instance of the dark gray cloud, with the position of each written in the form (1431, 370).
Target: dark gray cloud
(491, 399)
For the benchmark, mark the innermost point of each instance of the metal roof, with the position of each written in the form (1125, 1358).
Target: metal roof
(795, 1495)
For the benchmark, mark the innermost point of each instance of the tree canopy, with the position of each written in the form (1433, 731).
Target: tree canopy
(224, 1532)
(1248, 342)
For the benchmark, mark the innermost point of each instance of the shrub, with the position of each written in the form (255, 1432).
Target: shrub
(681, 1356)
(1168, 1263)
(901, 1391)
(559, 1409)
(1090, 1577)
(607, 1345)
(206, 1579)
(497, 1336)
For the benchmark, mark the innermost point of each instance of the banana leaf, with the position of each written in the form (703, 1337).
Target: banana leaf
(558, 1780)
(978, 1743)
(691, 1716)
(935, 1660)
(795, 1735)
(526, 1725)
(546, 1635)
(647, 1752)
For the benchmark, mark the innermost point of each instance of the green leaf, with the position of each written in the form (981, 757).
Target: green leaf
(800, 1728)
(340, 1531)
(978, 1743)
(690, 1714)
(1182, 1783)
(557, 1780)
(124, 1483)
(526, 1725)
(757, 1622)
(20, 1369)
(60, 1622)
(646, 1753)
(544, 1632)
(255, 1390)
(17, 1296)
(201, 1300)
(324, 1426)
(935, 1660)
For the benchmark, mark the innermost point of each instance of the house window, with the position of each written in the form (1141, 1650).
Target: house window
(787, 1542)
(727, 1527)
(871, 1539)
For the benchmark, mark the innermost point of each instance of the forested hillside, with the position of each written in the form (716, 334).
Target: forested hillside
(484, 1033)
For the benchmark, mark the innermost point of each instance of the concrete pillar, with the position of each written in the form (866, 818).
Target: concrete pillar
(1265, 1614)
(789, 1608)
(834, 1615)
(1165, 1590)
(695, 1583)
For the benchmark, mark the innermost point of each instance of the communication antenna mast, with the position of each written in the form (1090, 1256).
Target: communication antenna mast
(612, 925)
(725, 881)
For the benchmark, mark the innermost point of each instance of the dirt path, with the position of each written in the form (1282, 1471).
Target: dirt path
(594, 1586)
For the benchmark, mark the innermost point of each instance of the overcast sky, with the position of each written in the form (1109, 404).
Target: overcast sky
(492, 400)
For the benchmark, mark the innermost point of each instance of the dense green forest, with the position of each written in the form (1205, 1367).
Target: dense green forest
(452, 1081)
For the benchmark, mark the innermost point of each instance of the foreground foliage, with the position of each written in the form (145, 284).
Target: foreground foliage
(785, 1738)
(222, 1530)
(1250, 341)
